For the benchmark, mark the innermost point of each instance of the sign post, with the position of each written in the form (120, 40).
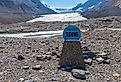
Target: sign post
(71, 55)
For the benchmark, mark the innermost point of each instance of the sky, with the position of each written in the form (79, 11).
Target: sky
(63, 3)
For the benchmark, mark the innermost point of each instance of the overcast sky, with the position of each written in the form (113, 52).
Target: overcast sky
(63, 3)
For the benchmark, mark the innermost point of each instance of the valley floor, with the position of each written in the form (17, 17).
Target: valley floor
(102, 40)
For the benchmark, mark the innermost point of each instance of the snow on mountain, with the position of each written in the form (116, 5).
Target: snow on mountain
(59, 17)
(87, 5)
(99, 8)
(48, 6)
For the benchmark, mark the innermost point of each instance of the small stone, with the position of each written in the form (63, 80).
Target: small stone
(116, 65)
(89, 54)
(25, 67)
(19, 57)
(41, 71)
(85, 49)
(108, 79)
(88, 61)
(1, 61)
(43, 57)
(29, 47)
(37, 67)
(20, 80)
(100, 60)
(77, 73)
(54, 79)
(29, 81)
(106, 61)
(116, 75)
(49, 53)
(1, 73)
(87, 72)
(59, 67)
(39, 57)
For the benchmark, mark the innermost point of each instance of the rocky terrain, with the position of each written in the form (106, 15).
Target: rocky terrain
(90, 24)
(36, 59)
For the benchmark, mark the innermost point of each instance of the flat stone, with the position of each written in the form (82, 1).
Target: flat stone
(25, 67)
(37, 67)
(19, 57)
(79, 74)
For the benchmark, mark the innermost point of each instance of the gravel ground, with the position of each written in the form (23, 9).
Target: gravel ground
(102, 41)
(40, 58)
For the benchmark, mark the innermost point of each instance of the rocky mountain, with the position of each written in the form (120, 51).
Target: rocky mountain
(99, 8)
(24, 6)
(13, 11)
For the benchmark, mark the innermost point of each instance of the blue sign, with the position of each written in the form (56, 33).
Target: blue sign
(71, 33)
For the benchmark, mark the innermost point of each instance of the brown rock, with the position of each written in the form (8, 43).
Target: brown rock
(116, 65)
(116, 75)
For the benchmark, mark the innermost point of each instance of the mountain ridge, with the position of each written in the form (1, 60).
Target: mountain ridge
(99, 8)
(24, 6)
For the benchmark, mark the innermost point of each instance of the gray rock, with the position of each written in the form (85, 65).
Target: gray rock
(77, 73)
(88, 61)
(29, 81)
(89, 54)
(1, 61)
(19, 57)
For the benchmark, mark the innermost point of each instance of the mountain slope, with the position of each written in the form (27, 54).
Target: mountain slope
(100, 8)
(24, 6)
(13, 11)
